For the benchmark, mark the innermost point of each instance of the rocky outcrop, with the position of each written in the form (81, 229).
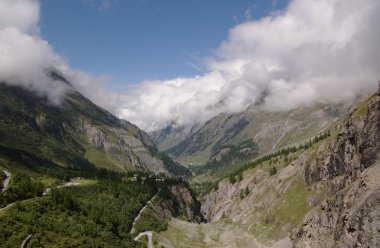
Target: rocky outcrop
(177, 200)
(185, 203)
(350, 215)
(226, 201)
(122, 147)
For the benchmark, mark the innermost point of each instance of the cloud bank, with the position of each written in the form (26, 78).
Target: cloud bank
(315, 50)
(25, 57)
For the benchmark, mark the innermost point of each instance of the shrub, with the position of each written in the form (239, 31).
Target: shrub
(273, 171)
(232, 179)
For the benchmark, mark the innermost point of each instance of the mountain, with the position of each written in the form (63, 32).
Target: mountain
(76, 134)
(247, 134)
(310, 177)
(74, 175)
(323, 195)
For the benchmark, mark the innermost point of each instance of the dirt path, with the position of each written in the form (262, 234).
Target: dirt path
(139, 215)
(6, 207)
(150, 238)
(68, 184)
(6, 181)
(26, 240)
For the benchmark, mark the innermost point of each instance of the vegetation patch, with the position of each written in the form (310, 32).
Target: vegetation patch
(282, 212)
(174, 167)
(99, 215)
(203, 188)
(292, 206)
(361, 110)
(21, 187)
(150, 222)
(98, 157)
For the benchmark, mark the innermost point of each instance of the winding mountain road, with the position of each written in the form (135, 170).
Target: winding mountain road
(139, 215)
(68, 184)
(6, 181)
(26, 240)
(6, 207)
(150, 238)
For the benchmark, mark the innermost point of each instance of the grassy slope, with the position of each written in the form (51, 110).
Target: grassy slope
(19, 130)
(53, 136)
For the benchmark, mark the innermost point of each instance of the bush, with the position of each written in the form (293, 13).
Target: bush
(232, 179)
(246, 191)
(149, 222)
(273, 171)
(239, 177)
(242, 194)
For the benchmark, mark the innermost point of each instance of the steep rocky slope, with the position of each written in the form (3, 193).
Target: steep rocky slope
(350, 216)
(325, 196)
(174, 201)
(76, 134)
(265, 130)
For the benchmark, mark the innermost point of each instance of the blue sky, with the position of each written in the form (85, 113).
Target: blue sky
(304, 53)
(135, 40)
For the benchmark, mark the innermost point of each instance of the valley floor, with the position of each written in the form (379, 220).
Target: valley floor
(216, 234)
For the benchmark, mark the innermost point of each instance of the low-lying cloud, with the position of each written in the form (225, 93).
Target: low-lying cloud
(25, 57)
(315, 50)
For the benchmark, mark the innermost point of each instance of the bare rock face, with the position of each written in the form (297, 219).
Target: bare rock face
(339, 179)
(185, 202)
(350, 215)
(122, 146)
(178, 202)
(226, 200)
(221, 201)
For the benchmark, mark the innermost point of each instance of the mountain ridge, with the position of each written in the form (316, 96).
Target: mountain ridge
(76, 133)
(266, 131)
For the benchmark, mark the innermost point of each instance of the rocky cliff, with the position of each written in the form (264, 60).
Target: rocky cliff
(325, 196)
(175, 200)
(179, 201)
(350, 216)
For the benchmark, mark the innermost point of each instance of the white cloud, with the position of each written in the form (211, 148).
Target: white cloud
(21, 14)
(25, 57)
(315, 50)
